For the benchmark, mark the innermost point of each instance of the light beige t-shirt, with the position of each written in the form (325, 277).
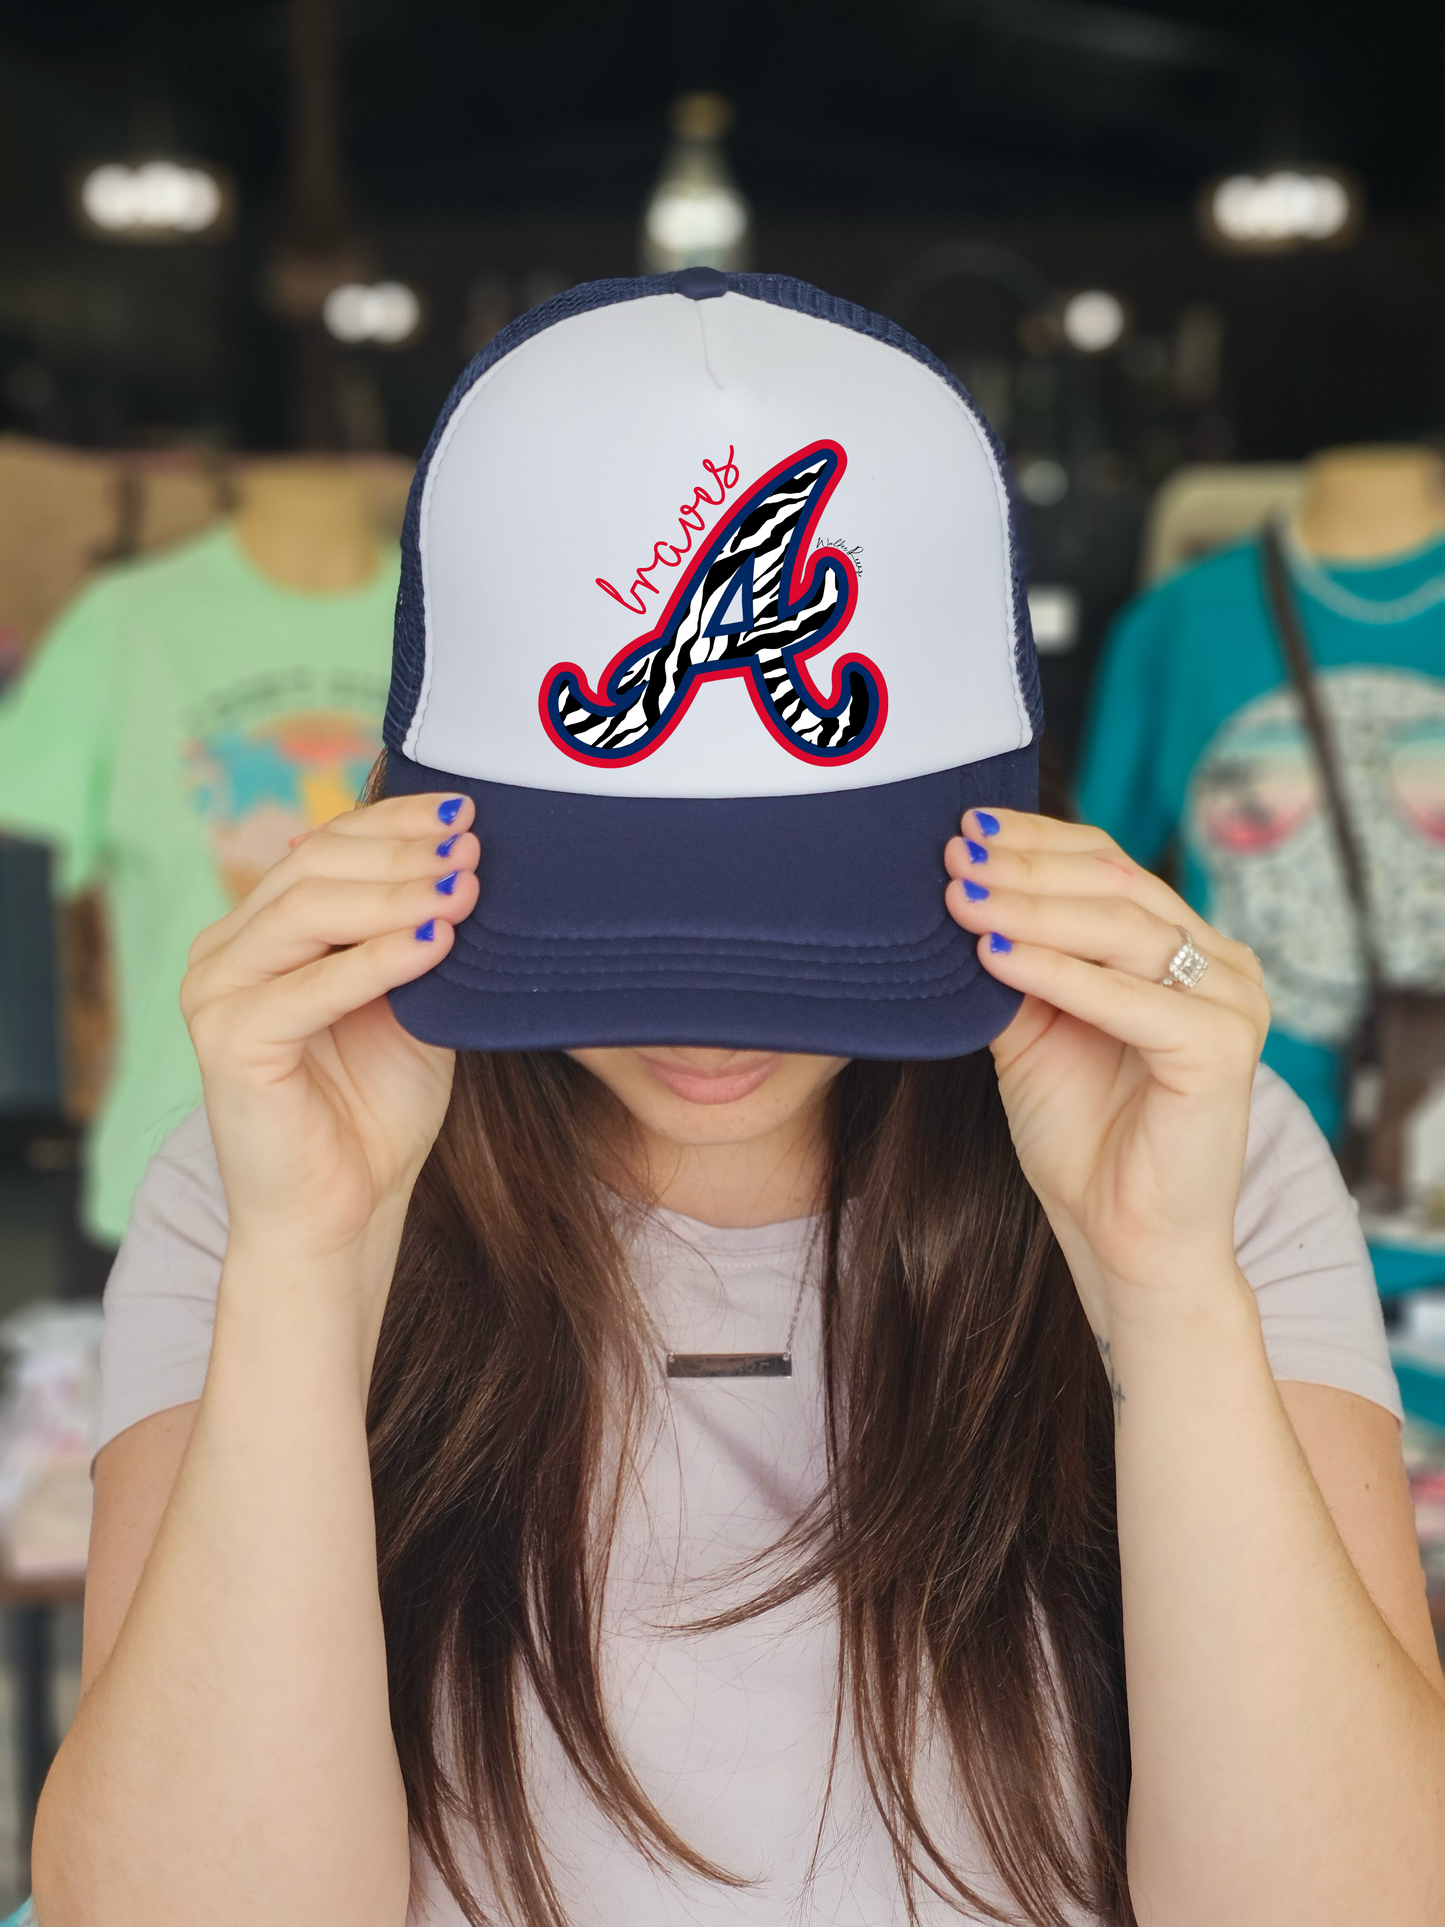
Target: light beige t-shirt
(730, 1731)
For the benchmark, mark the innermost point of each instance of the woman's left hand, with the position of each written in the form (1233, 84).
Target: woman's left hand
(1128, 1099)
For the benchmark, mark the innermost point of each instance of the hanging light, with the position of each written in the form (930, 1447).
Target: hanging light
(1273, 213)
(1044, 482)
(696, 217)
(382, 313)
(154, 200)
(1094, 321)
(1054, 617)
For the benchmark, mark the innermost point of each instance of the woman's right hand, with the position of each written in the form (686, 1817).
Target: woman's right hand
(322, 1107)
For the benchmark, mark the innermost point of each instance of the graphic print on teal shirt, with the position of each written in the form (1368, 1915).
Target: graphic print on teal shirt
(1258, 828)
(1195, 739)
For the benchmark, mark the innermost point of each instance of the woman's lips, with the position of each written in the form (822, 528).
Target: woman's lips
(723, 1086)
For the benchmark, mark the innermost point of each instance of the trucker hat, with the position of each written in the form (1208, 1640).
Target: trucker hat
(711, 599)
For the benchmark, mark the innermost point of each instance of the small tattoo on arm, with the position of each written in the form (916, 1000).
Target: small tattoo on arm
(1116, 1390)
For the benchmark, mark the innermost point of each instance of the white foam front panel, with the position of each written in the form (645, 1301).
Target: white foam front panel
(570, 459)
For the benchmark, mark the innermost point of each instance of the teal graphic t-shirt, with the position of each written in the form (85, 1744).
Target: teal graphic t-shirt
(182, 721)
(1195, 738)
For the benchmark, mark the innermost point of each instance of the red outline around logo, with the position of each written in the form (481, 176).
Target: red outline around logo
(798, 586)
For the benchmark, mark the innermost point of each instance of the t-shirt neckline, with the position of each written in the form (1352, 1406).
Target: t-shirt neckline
(784, 1237)
(380, 584)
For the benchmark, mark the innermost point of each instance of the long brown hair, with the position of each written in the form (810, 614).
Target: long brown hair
(967, 1531)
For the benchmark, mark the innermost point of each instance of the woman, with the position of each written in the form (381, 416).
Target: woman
(737, 1479)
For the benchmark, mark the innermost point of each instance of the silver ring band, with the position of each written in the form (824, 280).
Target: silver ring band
(1187, 965)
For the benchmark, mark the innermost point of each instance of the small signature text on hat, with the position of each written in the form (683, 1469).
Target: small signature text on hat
(853, 550)
(691, 521)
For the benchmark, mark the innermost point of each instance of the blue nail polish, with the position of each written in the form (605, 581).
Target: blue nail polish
(998, 944)
(976, 852)
(987, 822)
(426, 931)
(975, 892)
(445, 849)
(451, 809)
(448, 884)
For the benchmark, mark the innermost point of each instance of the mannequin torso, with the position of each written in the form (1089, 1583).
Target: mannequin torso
(1365, 502)
(308, 525)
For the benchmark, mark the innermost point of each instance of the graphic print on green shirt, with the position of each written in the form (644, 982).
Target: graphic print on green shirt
(263, 764)
(185, 718)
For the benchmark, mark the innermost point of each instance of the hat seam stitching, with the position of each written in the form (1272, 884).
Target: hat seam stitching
(940, 931)
(598, 968)
(899, 994)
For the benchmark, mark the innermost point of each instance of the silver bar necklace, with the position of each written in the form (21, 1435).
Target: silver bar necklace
(730, 1364)
(740, 1364)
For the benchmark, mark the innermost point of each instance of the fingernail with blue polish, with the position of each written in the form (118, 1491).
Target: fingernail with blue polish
(426, 931)
(987, 822)
(998, 944)
(976, 852)
(445, 849)
(448, 884)
(450, 810)
(975, 892)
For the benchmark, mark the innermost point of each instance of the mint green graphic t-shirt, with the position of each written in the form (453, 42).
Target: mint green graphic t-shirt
(1195, 739)
(182, 721)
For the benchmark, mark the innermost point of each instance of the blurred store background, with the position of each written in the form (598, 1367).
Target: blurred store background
(1173, 249)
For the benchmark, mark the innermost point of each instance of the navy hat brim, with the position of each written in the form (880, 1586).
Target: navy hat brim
(800, 923)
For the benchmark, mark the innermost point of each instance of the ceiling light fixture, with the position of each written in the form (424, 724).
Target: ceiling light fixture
(1094, 321)
(156, 200)
(696, 217)
(1054, 617)
(382, 314)
(696, 228)
(1044, 482)
(1289, 208)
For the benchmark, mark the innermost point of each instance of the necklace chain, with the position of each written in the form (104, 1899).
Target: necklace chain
(797, 1312)
(742, 1364)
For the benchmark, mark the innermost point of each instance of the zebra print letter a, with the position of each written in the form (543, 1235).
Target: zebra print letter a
(753, 604)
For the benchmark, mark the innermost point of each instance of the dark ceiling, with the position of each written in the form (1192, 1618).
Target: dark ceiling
(860, 107)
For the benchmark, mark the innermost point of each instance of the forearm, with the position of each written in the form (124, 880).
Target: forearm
(233, 1762)
(1289, 1757)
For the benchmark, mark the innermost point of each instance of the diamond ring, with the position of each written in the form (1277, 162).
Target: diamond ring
(1187, 965)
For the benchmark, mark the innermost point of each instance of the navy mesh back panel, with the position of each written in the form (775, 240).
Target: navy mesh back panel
(782, 291)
